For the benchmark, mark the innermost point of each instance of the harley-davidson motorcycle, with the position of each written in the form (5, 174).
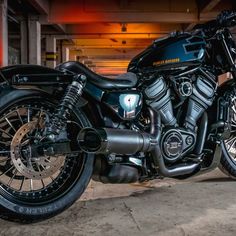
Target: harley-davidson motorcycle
(166, 117)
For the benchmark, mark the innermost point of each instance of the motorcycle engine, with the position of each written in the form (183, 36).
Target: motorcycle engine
(177, 141)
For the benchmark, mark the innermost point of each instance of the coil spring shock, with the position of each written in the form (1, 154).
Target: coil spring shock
(68, 102)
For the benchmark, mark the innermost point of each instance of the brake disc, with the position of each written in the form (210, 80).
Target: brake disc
(33, 168)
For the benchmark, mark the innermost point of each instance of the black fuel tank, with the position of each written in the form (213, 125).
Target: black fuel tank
(175, 51)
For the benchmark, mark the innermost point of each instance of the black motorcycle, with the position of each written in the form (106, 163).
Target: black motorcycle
(166, 117)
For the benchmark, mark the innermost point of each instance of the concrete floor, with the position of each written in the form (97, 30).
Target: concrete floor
(204, 205)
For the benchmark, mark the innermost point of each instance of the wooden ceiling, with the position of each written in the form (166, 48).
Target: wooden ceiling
(106, 34)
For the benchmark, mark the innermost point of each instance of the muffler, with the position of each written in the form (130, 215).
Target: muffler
(120, 141)
(116, 141)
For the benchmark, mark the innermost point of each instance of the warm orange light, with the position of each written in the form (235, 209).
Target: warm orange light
(107, 46)
(115, 28)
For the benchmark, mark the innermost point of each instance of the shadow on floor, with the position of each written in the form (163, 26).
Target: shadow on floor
(196, 207)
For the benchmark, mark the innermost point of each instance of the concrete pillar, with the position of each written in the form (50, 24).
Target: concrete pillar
(59, 51)
(3, 33)
(65, 54)
(24, 42)
(51, 51)
(75, 58)
(34, 40)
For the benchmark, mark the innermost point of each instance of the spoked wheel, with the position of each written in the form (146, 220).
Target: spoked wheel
(32, 187)
(228, 159)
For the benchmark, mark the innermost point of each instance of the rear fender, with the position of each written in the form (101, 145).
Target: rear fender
(9, 95)
(7, 90)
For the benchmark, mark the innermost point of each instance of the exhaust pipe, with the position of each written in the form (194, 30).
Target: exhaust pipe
(113, 141)
(118, 141)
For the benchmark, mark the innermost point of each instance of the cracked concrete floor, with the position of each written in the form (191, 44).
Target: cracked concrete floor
(204, 205)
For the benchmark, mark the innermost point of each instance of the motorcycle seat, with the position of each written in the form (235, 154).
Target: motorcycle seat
(127, 80)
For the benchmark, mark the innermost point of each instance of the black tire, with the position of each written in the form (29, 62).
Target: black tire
(15, 207)
(228, 158)
(227, 163)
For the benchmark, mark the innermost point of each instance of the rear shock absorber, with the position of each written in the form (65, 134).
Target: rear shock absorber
(68, 102)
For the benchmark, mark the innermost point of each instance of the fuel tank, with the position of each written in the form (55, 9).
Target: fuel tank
(173, 52)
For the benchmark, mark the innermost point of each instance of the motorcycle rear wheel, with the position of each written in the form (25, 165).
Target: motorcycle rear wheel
(30, 199)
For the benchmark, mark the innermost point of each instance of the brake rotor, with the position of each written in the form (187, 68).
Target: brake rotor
(33, 168)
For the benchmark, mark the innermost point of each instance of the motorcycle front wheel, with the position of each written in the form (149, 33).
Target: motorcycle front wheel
(228, 159)
(34, 189)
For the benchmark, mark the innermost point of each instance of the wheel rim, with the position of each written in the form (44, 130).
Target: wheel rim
(230, 143)
(15, 184)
